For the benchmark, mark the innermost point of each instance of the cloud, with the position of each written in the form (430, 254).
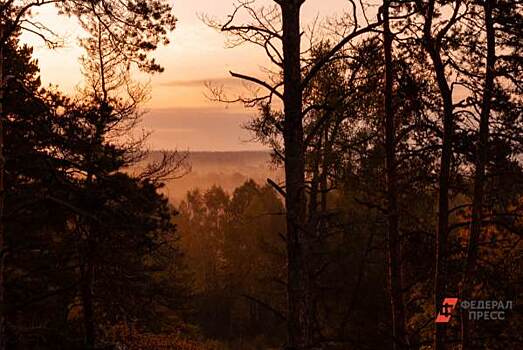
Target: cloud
(211, 129)
(227, 82)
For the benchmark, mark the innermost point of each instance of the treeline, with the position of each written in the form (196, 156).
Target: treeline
(233, 249)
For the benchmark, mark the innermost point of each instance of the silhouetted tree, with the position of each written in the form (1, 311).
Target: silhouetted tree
(275, 28)
(136, 28)
(97, 235)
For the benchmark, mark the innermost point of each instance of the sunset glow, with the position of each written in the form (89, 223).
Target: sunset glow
(179, 113)
(261, 174)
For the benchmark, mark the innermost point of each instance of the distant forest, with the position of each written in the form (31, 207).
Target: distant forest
(388, 213)
(228, 170)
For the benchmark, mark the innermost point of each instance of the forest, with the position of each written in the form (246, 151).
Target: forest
(396, 223)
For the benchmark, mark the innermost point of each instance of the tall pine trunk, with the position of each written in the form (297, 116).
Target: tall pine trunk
(393, 239)
(86, 286)
(87, 271)
(481, 162)
(3, 250)
(440, 283)
(298, 287)
(433, 47)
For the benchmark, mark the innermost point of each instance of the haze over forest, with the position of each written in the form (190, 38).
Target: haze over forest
(228, 170)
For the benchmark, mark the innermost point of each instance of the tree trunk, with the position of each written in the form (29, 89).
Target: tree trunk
(3, 250)
(298, 287)
(440, 283)
(86, 285)
(481, 162)
(393, 239)
(86, 290)
(434, 50)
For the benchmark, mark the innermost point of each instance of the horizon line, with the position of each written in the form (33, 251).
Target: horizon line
(211, 151)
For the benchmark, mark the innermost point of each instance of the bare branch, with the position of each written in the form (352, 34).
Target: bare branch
(266, 85)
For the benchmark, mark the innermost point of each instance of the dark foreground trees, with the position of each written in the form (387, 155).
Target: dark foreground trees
(402, 146)
(90, 246)
(400, 126)
(134, 29)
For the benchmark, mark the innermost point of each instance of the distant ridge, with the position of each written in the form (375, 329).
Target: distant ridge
(228, 169)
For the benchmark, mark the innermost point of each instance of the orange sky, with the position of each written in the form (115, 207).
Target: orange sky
(179, 114)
